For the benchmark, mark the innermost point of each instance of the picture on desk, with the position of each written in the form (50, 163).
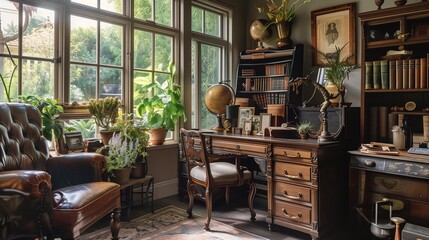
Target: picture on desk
(245, 113)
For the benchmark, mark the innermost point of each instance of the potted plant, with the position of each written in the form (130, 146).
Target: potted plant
(104, 111)
(337, 70)
(162, 110)
(304, 129)
(282, 15)
(127, 146)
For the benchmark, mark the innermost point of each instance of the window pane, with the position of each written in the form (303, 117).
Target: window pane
(83, 43)
(143, 9)
(9, 25)
(141, 79)
(163, 12)
(163, 52)
(212, 24)
(6, 69)
(39, 37)
(38, 78)
(197, 20)
(111, 44)
(194, 86)
(91, 3)
(143, 50)
(85, 126)
(112, 6)
(110, 82)
(82, 82)
(161, 78)
(210, 74)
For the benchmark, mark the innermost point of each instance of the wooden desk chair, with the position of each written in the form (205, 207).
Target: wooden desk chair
(211, 171)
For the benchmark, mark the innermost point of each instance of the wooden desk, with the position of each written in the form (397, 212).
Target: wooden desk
(403, 179)
(306, 180)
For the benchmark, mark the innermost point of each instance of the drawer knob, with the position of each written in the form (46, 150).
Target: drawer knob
(291, 197)
(296, 218)
(237, 147)
(297, 155)
(369, 163)
(292, 176)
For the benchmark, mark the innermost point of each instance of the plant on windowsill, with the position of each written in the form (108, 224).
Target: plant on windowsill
(126, 151)
(162, 110)
(104, 111)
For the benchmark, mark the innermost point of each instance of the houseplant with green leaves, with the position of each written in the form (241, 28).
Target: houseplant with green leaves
(104, 111)
(304, 129)
(164, 108)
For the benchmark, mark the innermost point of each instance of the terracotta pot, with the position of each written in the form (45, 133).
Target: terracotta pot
(157, 136)
(140, 168)
(303, 135)
(106, 136)
(121, 175)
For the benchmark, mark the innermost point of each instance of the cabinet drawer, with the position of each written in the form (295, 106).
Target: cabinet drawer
(293, 192)
(293, 171)
(291, 152)
(240, 146)
(399, 186)
(292, 212)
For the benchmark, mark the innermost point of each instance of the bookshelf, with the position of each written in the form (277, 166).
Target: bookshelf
(263, 76)
(389, 81)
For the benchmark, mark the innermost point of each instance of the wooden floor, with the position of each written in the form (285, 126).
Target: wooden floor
(237, 214)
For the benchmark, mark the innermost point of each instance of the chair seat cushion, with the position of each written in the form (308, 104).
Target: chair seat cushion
(77, 205)
(223, 173)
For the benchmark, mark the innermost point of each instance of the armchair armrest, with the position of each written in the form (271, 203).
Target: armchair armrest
(72, 169)
(25, 182)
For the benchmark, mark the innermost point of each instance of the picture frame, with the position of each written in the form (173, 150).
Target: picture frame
(333, 27)
(265, 121)
(245, 113)
(256, 123)
(247, 127)
(74, 141)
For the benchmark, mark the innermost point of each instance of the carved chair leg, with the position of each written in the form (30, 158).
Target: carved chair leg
(191, 199)
(252, 193)
(115, 223)
(227, 196)
(208, 208)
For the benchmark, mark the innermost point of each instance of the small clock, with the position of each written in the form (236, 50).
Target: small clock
(410, 106)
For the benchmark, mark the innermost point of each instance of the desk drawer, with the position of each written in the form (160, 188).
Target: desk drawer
(293, 171)
(291, 152)
(293, 192)
(400, 186)
(292, 212)
(240, 146)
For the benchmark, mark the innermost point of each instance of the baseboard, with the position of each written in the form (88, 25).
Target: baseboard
(166, 188)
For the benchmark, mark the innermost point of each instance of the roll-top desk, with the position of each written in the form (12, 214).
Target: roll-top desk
(306, 180)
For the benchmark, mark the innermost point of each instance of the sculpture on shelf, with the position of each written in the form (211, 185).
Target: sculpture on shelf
(324, 135)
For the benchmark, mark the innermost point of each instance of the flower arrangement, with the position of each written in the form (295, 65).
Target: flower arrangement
(282, 12)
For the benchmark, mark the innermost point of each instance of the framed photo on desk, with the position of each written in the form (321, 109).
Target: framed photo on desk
(74, 141)
(245, 113)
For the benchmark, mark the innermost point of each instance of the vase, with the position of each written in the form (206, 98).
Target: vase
(157, 136)
(333, 90)
(400, 2)
(284, 31)
(378, 3)
(140, 168)
(106, 136)
(120, 176)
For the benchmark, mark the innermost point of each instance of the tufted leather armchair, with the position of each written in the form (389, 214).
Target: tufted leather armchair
(48, 196)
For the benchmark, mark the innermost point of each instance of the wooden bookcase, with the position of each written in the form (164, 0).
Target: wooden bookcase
(263, 76)
(386, 84)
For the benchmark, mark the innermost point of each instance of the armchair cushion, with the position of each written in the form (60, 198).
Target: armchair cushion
(223, 173)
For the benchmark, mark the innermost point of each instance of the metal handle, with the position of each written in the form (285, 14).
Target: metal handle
(296, 156)
(292, 176)
(237, 147)
(297, 217)
(369, 163)
(291, 197)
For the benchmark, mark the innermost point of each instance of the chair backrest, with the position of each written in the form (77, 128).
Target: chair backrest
(22, 146)
(195, 150)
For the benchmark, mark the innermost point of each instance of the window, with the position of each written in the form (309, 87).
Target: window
(115, 6)
(158, 11)
(210, 46)
(33, 50)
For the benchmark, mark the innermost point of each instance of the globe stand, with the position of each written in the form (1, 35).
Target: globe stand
(219, 127)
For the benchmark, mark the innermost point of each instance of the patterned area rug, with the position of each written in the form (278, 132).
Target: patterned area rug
(172, 223)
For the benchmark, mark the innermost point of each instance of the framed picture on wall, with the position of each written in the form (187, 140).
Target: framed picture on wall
(332, 28)
(245, 113)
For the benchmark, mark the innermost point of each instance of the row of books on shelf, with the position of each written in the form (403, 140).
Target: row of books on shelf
(277, 69)
(263, 99)
(266, 84)
(397, 74)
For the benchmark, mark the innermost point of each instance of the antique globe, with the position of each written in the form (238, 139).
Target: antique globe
(260, 32)
(217, 97)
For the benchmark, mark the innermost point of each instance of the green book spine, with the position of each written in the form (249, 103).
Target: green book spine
(384, 66)
(392, 74)
(377, 74)
(368, 75)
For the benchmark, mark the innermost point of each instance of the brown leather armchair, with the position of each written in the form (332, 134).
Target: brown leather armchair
(48, 196)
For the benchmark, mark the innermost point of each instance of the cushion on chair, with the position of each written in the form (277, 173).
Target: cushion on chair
(78, 205)
(222, 172)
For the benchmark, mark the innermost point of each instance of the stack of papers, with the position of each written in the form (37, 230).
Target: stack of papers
(379, 148)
